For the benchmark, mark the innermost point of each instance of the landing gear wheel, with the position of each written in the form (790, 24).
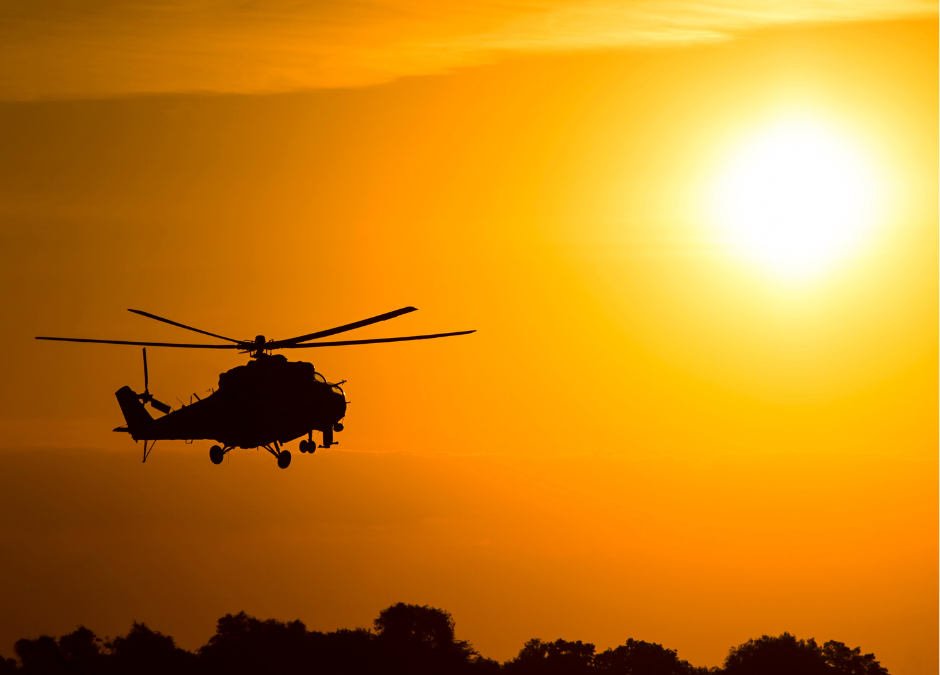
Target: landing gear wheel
(283, 460)
(303, 446)
(216, 454)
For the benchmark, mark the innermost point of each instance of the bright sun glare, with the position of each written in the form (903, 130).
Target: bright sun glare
(796, 198)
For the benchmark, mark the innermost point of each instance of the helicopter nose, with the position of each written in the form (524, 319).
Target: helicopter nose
(339, 401)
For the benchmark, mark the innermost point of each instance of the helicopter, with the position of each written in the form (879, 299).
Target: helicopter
(265, 403)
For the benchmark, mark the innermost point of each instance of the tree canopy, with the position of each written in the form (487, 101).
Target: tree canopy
(404, 640)
(785, 654)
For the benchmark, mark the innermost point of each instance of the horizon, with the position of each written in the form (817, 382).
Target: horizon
(406, 637)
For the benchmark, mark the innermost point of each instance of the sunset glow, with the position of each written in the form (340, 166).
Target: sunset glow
(697, 242)
(796, 198)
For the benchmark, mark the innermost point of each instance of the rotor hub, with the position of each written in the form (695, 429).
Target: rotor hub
(257, 348)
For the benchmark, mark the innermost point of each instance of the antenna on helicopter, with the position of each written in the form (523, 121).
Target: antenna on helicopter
(147, 397)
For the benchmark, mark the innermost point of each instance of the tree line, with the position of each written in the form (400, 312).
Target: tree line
(404, 640)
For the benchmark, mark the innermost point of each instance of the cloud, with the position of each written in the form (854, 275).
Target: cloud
(105, 48)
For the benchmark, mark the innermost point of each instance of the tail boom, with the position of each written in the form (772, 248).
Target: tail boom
(139, 421)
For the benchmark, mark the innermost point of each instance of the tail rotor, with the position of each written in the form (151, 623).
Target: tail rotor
(147, 397)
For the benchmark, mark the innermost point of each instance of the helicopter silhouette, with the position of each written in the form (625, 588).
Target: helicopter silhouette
(263, 404)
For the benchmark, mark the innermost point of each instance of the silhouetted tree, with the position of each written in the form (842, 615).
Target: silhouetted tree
(81, 650)
(345, 652)
(783, 655)
(847, 661)
(245, 645)
(480, 665)
(40, 656)
(552, 658)
(146, 652)
(636, 657)
(420, 640)
(406, 640)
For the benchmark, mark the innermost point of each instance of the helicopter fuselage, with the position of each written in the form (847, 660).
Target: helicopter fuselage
(269, 400)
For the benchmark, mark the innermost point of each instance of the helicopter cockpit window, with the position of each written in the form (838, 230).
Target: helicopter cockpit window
(319, 378)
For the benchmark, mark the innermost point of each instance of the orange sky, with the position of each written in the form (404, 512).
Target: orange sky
(650, 436)
(57, 48)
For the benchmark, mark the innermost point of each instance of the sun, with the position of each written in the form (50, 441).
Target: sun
(796, 198)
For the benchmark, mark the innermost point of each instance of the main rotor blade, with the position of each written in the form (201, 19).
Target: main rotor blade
(146, 379)
(376, 340)
(180, 325)
(144, 344)
(278, 344)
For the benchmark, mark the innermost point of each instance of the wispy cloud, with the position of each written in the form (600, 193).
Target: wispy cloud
(56, 48)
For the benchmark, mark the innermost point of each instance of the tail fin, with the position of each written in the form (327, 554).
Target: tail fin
(136, 415)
